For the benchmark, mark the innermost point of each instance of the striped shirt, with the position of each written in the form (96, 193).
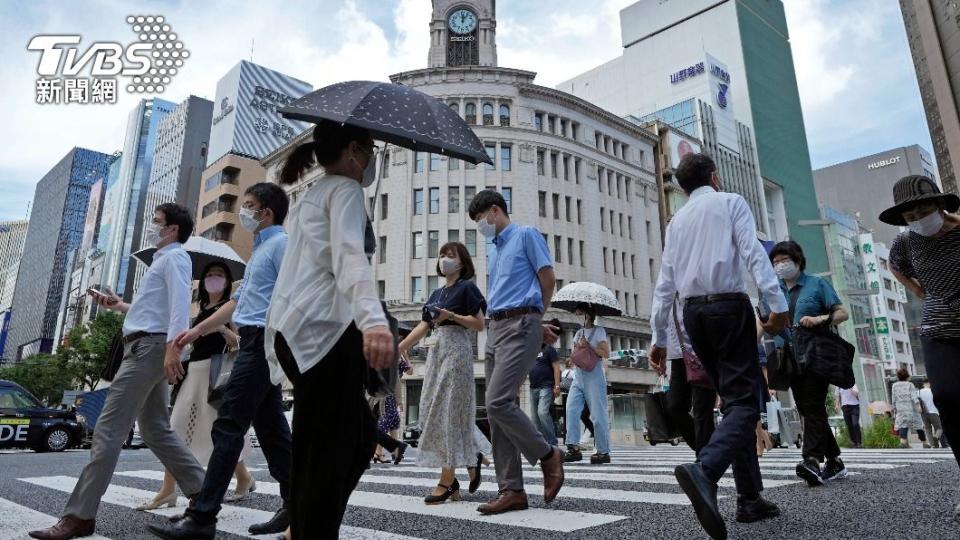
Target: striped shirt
(934, 263)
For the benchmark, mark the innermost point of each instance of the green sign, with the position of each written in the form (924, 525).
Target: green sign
(881, 325)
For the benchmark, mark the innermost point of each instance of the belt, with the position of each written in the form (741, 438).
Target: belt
(245, 331)
(511, 313)
(712, 298)
(130, 338)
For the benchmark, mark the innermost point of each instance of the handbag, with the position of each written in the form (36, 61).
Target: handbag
(221, 365)
(566, 380)
(659, 426)
(583, 356)
(781, 367)
(696, 374)
(381, 383)
(826, 354)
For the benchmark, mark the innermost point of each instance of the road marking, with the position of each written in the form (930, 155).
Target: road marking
(16, 520)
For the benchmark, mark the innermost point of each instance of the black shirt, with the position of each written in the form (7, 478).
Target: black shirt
(934, 262)
(210, 344)
(541, 376)
(462, 298)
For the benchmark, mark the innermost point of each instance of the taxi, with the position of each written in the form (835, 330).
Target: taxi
(26, 423)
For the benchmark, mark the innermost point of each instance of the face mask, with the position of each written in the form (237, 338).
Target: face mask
(151, 235)
(927, 225)
(247, 221)
(449, 266)
(215, 284)
(370, 172)
(487, 229)
(786, 270)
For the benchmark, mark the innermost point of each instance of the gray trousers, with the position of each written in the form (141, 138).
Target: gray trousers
(139, 392)
(512, 348)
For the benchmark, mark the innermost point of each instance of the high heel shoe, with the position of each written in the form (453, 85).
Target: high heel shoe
(475, 480)
(169, 501)
(378, 459)
(398, 456)
(239, 495)
(452, 492)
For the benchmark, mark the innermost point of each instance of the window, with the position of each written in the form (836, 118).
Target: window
(433, 283)
(614, 262)
(471, 242)
(506, 157)
(543, 203)
(649, 229)
(382, 249)
(579, 214)
(453, 200)
(605, 260)
(470, 115)
(382, 289)
(620, 224)
(633, 266)
(623, 263)
(453, 235)
(576, 170)
(570, 250)
(601, 174)
(491, 149)
(603, 217)
(887, 284)
(557, 243)
(504, 115)
(537, 122)
(487, 114)
(434, 162)
(416, 290)
(551, 125)
(433, 244)
(418, 245)
(619, 186)
(455, 107)
(583, 262)
(469, 192)
(636, 302)
(434, 200)
(630, 227)
(567, 207)
(417, 202)
(611, 223)
(609, 183)
(419, 162)
(383, 205)
(453, 164)
(540, 157)
(653, 274)
(626, 182)
(556, 206)
(508, 198)
(553, 164)
(385, 164)
(891, 305)
(559, 284)
(900, 349)
(563, 127)
(566, 168)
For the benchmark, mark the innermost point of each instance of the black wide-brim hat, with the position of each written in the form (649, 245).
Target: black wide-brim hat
(910, 190)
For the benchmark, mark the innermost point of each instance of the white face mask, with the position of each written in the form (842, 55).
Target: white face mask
(247, 221)
(151, 235)
(449, 266)
(487, 229)
(370, 172)
(927, 225)
(786, 270)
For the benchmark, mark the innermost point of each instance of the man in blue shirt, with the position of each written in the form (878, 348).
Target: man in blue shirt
(249, 397)
(520, 287)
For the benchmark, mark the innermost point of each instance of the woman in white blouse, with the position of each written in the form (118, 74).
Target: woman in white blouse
(326, 326)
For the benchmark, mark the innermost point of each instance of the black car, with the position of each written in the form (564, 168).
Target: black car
(26, 423)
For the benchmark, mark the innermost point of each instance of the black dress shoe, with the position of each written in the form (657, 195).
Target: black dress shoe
(755, 509)
(398, 457)
(185, 529)
(703, 495)
(277, 524)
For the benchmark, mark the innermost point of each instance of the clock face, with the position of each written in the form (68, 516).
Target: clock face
(462, 21)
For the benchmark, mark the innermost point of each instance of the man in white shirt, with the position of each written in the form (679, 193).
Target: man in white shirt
(139, 391)
(931, 417)
(709, 241)
(848, 401)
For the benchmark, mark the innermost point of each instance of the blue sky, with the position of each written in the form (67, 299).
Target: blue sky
(856, 77)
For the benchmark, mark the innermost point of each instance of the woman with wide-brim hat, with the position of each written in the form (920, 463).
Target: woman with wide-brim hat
(926, 259)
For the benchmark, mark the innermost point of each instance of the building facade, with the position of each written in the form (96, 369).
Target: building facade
(724, 71)
(933, 31)
(56, 229)
(222, 186)
(13, 237)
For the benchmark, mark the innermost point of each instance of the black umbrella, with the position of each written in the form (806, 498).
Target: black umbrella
(395, 114)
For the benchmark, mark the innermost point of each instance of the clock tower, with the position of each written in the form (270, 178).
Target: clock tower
(463, 33)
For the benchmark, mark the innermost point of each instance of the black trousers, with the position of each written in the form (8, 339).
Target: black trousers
(690, 407)
(810, 393)
(334, 436)
(249, 398)
(387, 442)
(724, 336)
(851, 417)
(943, 369)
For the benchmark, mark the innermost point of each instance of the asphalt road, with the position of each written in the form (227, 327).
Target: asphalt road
(891, 494)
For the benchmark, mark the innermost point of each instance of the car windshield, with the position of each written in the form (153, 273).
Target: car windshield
(14, 398)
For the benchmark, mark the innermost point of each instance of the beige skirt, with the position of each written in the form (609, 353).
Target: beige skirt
(192, 418)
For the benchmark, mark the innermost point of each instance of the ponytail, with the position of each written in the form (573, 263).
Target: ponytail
(329, 140)
(298, 162)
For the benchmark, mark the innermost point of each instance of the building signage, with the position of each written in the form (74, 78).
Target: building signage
(884, 163)
(719, 73)
(463, 38)
(881, 326)
(686, 73)
(225, 109)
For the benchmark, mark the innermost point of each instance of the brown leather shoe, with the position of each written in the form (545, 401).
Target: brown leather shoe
(552, 475)
(68, 527)
(507, 501)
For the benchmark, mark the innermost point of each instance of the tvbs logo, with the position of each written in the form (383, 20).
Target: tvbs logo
(146, 65)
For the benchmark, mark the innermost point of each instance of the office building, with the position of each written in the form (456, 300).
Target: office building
(13, 236)
(721, 71)
(56, 228)
(932, 32)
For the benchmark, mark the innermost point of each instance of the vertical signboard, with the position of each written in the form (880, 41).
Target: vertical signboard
(878, 310)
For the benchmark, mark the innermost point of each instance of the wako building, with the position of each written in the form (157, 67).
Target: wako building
(722, 71)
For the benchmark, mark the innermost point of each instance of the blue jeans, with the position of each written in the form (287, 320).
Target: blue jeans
(590, 387)
(541, 399)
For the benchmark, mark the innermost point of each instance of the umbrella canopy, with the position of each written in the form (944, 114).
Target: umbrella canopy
(393, 113)
(202, 252)
(598, 297)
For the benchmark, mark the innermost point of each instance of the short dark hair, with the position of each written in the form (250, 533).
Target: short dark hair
(903, 374)
(485, 200)
(203, 297)
(588, 309)
(271, 196)
(175, 214)
(790, 249)
(694, 171)
(467, 270)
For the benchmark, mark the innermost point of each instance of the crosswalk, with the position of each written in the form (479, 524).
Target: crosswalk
(594, 497)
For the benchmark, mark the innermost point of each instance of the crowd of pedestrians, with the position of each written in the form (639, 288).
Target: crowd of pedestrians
(308, 311)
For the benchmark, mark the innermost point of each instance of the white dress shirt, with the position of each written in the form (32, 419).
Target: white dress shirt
(673, 340)
(926, 396)
(325, 281)
(162, 303)
(708, 242)
(848, 396)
